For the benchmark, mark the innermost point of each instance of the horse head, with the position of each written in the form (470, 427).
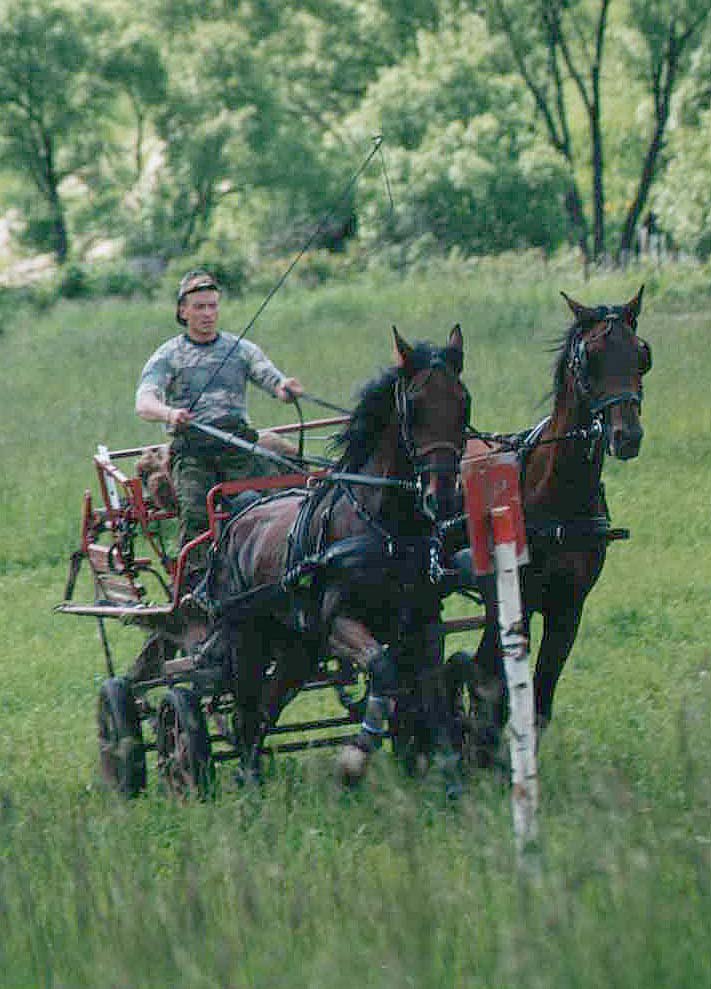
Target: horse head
(432, 406)
(603, 362)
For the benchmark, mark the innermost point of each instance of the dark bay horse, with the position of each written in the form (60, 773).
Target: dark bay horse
(349, 570)
(597, 400)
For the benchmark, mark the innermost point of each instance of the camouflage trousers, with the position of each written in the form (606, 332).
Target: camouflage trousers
(194, 475)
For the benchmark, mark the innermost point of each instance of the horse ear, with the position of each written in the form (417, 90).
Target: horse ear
(455, 348)
(634, 306)
(403, 350)
(581, 312)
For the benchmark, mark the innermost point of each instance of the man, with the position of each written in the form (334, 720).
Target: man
(201, 376)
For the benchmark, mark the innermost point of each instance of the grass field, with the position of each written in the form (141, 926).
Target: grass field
(302, 885)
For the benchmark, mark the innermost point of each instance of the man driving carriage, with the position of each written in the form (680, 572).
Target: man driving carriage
(201, 376)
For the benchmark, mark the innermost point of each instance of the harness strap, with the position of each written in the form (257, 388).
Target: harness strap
(594, 529)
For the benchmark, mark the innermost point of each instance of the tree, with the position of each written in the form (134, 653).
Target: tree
(682, 196)
(671, 31)
(52, 101)
(464, 164)
(558, 47)
(133, 63)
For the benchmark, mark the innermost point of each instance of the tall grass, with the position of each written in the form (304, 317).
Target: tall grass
(300, 884)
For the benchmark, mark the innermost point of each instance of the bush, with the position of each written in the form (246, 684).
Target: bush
(122, 280)
(14, 299)
(84, 281)
(74, 282)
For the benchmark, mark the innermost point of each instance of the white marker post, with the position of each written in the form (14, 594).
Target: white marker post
(514, 642)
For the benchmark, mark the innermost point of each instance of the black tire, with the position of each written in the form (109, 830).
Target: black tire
(184, 752)
(122, 755)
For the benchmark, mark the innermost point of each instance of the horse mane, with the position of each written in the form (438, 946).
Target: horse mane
(560, 363)
(357, 441)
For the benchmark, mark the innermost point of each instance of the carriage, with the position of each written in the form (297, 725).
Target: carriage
(171, 702)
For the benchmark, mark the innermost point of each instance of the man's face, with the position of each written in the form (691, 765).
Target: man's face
(200, 311)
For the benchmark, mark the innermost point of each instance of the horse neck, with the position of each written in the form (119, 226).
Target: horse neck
(392, 508)
(388, 460)
(563, 475)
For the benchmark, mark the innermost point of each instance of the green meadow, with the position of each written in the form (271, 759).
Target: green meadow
(300, 884)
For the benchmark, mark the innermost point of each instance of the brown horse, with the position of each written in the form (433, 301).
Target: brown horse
(350, 570)
(596, 410)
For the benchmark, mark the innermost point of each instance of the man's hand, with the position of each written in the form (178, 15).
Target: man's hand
(178, 418)
(289, 389)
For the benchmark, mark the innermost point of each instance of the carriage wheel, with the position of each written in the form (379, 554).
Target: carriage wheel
(122, 756)
(184, 752)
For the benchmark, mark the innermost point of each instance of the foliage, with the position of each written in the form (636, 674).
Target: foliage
(560, 52)
(79, 281)
(682, 196)
(52, 103)
(463, 162)
(178, 126)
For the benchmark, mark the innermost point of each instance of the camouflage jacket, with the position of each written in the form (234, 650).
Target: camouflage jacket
(182, 372)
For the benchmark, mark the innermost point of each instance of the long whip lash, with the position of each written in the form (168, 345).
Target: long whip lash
(377, 142)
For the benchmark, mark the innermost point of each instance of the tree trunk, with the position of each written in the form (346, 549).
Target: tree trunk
(60, 238)
(662, 105)
(598, 171)
(578, 223)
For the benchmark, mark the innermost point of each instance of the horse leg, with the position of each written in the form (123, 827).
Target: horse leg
(446, 758)
(487, 688)
(426, 732)
(561, 619)
(250, 659)
(350, 640)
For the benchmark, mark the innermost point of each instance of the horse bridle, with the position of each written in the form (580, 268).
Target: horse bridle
(405, 392)
(578, 364)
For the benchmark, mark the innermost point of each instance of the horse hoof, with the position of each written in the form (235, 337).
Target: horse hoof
(351, 766)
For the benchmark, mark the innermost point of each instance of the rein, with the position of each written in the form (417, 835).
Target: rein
(529, 439)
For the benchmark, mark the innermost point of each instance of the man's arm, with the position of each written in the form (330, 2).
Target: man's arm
(264, 373)
(149, 406)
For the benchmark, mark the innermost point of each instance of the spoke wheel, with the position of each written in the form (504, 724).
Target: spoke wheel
(122, 756)
(184, 752)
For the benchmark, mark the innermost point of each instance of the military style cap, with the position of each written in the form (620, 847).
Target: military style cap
(193, 281)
